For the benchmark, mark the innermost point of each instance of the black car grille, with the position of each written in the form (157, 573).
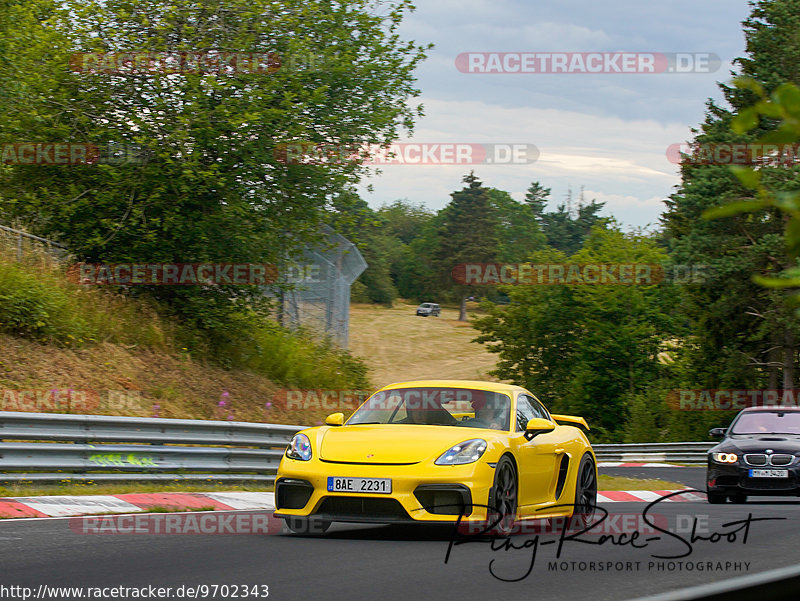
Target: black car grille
(363, 507)
(759, 459)
(769, 483)
(445, 499)
(756, 459)
(780, 459)
(292, 494)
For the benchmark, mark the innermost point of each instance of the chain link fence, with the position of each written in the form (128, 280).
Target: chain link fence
(30, 249)
(319, 280)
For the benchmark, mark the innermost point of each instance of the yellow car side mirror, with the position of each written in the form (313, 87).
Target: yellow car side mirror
(335, 419)
(538, 426)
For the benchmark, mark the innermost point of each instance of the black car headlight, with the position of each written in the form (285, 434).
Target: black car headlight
(724, 457)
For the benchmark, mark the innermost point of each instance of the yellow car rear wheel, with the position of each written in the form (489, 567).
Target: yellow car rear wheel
(586, 490)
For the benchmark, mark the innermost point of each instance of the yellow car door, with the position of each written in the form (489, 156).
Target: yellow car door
(538, 459)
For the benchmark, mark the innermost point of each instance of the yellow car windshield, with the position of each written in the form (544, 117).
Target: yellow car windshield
(462, 407)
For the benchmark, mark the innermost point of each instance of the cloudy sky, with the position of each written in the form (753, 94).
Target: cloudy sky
(607, 132)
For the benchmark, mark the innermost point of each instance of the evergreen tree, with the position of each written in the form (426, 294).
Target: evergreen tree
(745, 335)
(536, 197)
(467, 233)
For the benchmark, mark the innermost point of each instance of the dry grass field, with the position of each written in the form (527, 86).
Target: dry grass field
(397, 345)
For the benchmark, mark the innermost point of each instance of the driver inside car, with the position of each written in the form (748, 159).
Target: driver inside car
(489, 413)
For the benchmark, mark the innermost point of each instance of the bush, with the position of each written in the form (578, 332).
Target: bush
(39, 303)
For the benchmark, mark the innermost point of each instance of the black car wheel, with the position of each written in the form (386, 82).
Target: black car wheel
(307, 526)
(585, 491)
(503, 498)
(715, 498)
(738, 497)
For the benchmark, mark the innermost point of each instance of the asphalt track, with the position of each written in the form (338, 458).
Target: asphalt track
(354, 562)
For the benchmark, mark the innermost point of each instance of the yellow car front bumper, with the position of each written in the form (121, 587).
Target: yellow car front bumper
(423, 493)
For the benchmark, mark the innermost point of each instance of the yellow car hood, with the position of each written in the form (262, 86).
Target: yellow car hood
(395, 443)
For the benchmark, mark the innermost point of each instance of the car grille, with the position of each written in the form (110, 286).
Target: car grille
(444, 499)
(292, 494)
(780, 459)
(769, 483)
(363, 507)
(763, 459)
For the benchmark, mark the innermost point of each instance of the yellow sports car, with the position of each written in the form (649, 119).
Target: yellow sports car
(439, 451)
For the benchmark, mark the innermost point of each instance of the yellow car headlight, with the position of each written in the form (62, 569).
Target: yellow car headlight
(299, 448)
(725, 457)
(468, 451)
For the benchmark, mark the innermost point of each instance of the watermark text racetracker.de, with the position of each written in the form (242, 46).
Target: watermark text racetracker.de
(309, 398)
(734, 154)
(407, 153)
(49, 400)
(587, 62)
(175, 62)
(224, 523)
(199, 591)
(730, 399)
(534, 274)
(73, 153)
(176, 274)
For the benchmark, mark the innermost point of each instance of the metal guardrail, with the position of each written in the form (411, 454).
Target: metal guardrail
(47, 447)
(690, 453)
(77, 448)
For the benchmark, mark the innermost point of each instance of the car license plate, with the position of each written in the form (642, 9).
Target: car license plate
(769, 473)
(368, 485)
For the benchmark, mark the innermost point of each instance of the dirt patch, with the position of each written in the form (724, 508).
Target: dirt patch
(397, 345)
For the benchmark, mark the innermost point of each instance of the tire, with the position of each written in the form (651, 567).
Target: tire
(585, 492)
(503, 498)
(716, 498)
(738, 497)
(307, 526)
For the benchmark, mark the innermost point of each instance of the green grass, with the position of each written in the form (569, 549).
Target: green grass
(40, 303)
(606, 482)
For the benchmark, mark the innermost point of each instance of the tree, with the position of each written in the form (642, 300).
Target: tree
(215, 187)
(536, 197)
(567, 233)
(586, 349)
(353, 218)
(467, 233)
(518, 235)
(745, 335)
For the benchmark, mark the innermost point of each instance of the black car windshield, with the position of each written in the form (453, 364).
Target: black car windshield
(460, 407)
(768, 422)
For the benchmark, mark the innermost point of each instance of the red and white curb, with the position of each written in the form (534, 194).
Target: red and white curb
(646, 496)
(23, 507)
(63, 506)
(635, 464)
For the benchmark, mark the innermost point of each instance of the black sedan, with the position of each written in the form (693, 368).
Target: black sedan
(760, 455)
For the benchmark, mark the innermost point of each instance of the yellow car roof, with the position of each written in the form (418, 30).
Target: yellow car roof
(474, 384)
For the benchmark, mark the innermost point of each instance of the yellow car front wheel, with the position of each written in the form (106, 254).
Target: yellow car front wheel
(503, 498)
